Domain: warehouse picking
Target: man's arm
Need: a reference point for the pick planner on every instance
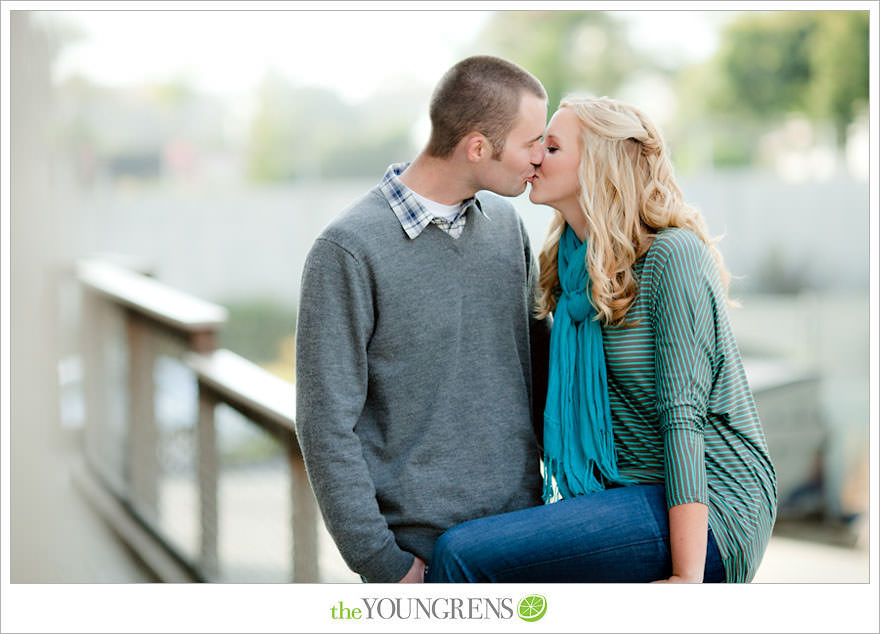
(333, 329)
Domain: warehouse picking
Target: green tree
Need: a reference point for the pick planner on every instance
(569, 51)
(272, 130)
(310, 132)
(839, 64)
(763, 62)
(813, 62)
(292, 128)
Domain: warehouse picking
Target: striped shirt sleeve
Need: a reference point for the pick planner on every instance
(684, 325)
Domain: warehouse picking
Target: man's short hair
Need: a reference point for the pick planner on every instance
(480, 93)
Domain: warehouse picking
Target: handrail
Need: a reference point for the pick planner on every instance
(176, 310)
(270, 402)
(151, 310)
(247, 386)
(223, 377)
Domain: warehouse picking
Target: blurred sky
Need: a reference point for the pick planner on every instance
(351, 52)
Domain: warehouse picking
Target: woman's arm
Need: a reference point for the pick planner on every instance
(688, 530)
(685, 297)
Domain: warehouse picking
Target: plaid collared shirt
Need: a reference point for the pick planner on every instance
(412, 214)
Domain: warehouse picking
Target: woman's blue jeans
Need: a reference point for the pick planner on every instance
(616, 535)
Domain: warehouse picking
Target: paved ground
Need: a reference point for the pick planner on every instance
(790, 560)
(61, 540)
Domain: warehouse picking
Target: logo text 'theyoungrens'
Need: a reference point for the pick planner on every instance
(440, 608)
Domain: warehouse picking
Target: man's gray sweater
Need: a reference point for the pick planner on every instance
(413, 379)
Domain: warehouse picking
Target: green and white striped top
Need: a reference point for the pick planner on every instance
(682, 409)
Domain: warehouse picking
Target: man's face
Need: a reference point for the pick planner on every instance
(509, 174)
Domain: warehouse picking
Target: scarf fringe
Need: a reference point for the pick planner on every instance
(554, 490)
(551, 488)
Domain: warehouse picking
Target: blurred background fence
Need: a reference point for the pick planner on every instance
(138, 164)
(194, 447)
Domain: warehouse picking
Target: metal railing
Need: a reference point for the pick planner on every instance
(186, 436)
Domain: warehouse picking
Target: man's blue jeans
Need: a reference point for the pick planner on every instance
(616, 535)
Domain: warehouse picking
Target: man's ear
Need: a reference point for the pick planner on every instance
(477, 147)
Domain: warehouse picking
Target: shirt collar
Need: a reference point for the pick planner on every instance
(412, 214)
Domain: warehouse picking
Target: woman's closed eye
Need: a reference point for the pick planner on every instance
(551, 149)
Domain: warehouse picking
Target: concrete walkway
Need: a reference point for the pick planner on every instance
(790, 560)
(59, 538)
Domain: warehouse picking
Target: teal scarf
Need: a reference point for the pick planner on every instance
(578, 441)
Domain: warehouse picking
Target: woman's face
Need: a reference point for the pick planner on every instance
(556, 180)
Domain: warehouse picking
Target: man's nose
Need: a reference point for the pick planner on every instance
(537, 156)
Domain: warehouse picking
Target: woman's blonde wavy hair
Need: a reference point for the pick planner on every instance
(627, 193)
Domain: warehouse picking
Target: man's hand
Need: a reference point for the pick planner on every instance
(416, 572)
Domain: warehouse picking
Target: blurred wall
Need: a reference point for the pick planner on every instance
(36, 251)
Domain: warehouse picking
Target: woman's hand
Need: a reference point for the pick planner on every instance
(677, 579)
(688, 534)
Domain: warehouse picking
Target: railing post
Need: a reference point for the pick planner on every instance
(208, 480)
(94, 372)
(305, 519)
(203, 341)
(143, 443)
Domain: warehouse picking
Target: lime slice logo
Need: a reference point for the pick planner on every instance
(532, 608)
